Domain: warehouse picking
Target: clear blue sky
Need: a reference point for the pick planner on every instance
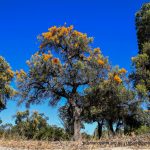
(110, 22)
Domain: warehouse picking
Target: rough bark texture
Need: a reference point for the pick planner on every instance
(77, 124)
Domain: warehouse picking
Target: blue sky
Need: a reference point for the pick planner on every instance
(110, 22)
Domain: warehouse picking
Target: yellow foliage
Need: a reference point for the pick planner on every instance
(54, 34)
(76, 45)
(89, 58)
(99, 55)
(97, 50)
(46, 57)
(47, 35)
(54, 28)
(20, 74)
(122, 71)
(117, 79)
(100, 62)
(10, 72)
(4, 78)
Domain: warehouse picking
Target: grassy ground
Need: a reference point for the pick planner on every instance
(117, 143)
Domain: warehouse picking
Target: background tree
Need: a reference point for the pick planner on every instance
(6, 76)
(106, 101)
(29, 125)
(141, 74)
(136, 119)
(5, 130)
(143, 26)
(113, 104)
(65, 64)
(32, 126)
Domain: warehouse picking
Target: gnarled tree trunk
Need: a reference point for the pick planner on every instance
(77, 123)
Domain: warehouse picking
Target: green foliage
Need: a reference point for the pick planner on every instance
(6, 76)
(142, 130)
(114, 104)
(6, 130)
(136, 119)
(28, 125)
(141, 75)
(32, 126)
(143, 25)
(54, 78)
(66, 115)
(52, 133)
(65, 63)
(107, 96)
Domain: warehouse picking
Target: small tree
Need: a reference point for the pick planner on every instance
(6, 76)
(65, 64)
(29, 125)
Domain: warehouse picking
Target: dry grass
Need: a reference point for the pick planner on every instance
(117, 143)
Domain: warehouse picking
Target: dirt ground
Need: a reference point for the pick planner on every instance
(39, 145)
(114, 148)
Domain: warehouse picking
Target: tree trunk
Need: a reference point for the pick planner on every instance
(77, 123)
(110, 123)
(118, 126)
(100, 125)
(70, 125)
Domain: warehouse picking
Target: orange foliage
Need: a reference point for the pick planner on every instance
(10, 72)
(55, 61)
(122, 71)
(117, 79)
(46, 57)
(100, 62)
(54, 34)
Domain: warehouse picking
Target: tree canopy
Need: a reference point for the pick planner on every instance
(6, 76)
(67, 67)
(141, 74)
(65, 63)
(143, 25)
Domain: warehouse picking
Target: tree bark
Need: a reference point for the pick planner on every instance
(100, 125)
(77, 123)
(118, 126)
(70, 125)
(110, 123)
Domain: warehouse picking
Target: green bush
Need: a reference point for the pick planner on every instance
(51, 133)
(142, 130)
